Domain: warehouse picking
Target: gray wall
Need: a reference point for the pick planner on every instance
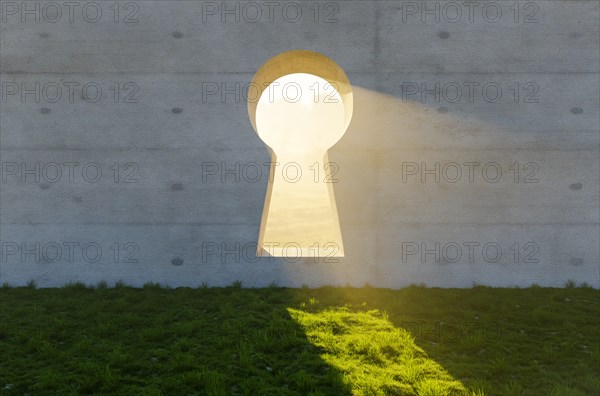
(154, 215)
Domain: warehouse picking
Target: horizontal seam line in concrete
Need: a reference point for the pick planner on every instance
(349, 1)
(349, 224)
(261, 149)
(382, 73)
(150, 73)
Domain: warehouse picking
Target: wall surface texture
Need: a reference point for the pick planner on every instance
(472, 156)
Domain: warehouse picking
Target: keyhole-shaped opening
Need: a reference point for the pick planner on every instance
(302, 107)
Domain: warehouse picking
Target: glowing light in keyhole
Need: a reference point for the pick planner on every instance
(300, 116)
(304, 107)
(300, 113)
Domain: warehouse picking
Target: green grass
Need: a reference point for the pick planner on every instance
(275, 341)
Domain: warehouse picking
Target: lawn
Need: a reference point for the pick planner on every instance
(279, 341)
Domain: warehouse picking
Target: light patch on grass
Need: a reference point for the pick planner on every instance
(236, 341)
(375, 357)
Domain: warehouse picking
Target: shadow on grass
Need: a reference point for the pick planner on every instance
(153, 341)
(274, 341)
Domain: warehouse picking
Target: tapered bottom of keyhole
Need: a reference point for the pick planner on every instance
(300, 219)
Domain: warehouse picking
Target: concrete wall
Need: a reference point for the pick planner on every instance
(154, 215)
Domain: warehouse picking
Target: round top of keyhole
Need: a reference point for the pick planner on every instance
(300, 113)
(302, 102)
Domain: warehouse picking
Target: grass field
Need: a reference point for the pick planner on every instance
(276, 341)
